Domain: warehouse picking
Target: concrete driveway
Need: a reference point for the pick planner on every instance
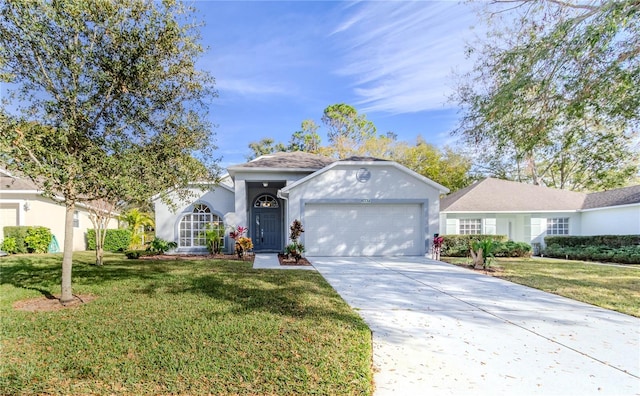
(440, 329)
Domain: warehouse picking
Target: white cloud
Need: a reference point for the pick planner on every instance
(402, 54)
(249, 87)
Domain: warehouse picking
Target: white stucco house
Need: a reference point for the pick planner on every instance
(352, 207)
(527, 213)
(22, 204)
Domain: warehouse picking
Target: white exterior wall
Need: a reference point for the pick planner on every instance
(46, 213)
(525, 227)
(620, 220)
(386, 184)
(219, 199)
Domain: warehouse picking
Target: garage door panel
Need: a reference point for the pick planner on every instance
(363, 229)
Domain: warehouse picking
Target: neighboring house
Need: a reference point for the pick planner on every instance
(528, 213)
(352, 207)
(22, 204)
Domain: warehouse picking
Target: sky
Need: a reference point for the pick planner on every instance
(277, 63)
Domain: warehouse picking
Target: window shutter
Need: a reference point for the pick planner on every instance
(452, 226)
(538, 229)
(489, 226)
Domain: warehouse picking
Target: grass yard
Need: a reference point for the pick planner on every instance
(179, 327)
(607, 286)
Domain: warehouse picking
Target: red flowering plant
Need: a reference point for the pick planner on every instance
(437, 245)
(243, 243)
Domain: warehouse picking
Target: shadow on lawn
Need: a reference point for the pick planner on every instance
(42, 273)
(299, 294)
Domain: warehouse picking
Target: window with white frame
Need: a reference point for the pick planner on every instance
(558, 226)
(193, 226)
(76, 219)
(470, 226)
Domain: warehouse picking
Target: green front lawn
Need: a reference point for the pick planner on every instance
(608, 286)
(179, 327)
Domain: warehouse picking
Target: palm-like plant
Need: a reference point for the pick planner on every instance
(136, 221)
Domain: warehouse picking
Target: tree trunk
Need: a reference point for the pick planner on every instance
(99, 255)
(478, 261)
(67, 257)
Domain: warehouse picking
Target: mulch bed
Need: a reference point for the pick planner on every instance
(284, 260)
(49, 303)
(232, 257)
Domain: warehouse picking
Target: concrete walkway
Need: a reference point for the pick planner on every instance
(270, 261)
(439, 329)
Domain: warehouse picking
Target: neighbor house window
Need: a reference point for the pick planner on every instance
(76, 219)
(558, 226)
(470, 226)
(193, 226)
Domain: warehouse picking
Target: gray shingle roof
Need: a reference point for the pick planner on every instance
(495, 195)
(619, 196)
(294, 160)
(12, 183)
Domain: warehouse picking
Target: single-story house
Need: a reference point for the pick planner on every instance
(527, 213)
(22, 204)
(351, 207)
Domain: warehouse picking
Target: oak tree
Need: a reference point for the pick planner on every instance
(107, 102)
(556, 92)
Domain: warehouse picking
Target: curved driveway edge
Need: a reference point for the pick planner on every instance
(441, 329)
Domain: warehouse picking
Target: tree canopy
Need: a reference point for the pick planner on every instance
(109, 104)
(554, 95)
(351, 134)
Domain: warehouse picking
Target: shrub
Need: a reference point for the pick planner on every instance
(28, 239)
(116, 240)
(136, 254)
(612, 241)
(9, 245)
(459, 245)
(38, 239)
(160, 246)
(512, 249)
(18, 233)
(623, 255)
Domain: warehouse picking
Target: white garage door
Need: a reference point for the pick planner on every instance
(363, 229)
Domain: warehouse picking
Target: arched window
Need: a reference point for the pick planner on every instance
(193, 225)
(266, 201)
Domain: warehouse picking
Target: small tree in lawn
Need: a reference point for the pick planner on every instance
(295, 248)
(101, 213)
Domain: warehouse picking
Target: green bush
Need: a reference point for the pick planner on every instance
(623, 254)
(160, 246)
(612, 241)
(512, 249)
(116, 240)
(38, 239)
(28, 239)
(9, 245)
(136, 254)
(458, 245)
(18, 233)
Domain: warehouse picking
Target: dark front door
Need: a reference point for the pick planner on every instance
(267, 230)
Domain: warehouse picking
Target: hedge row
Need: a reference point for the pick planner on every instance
(623, 255)
(458, 246)
(26, 239)
(116, 240)
(611, 241)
